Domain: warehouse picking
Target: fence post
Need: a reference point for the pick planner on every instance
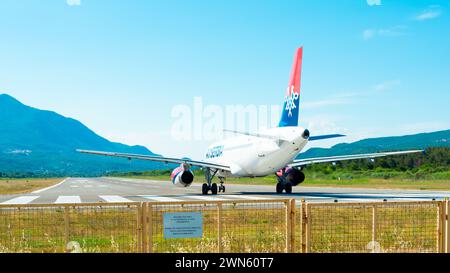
(293, 222)
(308, 228)
(150, 227)
(66, 226)
(139, 227)
(287, 205)
(144, 228)
(441, 225)
(374, 223)
(447, 226)
(305, 227)
(219, 227)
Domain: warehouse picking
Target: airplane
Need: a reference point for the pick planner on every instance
(268, 151)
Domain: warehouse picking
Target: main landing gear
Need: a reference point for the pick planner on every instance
(286, 186)
(209, 186)
(287, 180)
(283, 184)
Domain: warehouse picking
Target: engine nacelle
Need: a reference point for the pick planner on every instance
(182, 176)
(293, 176)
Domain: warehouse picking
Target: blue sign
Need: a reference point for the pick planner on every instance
(183, 225)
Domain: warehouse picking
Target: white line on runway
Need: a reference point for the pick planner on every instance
(127, 180)
(74, 186)
(63, 199)
(88, 186)
(206, 198)
(51, 187)
(20, 200)
(159, 198)
(244, 197)
(114, 199)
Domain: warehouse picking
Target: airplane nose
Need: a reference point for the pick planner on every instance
(305, 134)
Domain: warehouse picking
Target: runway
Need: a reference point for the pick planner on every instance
(84, 190)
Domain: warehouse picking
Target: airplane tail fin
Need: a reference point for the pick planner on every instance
(289, 116)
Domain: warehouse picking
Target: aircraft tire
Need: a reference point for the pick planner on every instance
(214, 188)
(288, 187)
(205, 189)
(302, 177)
(280, 188)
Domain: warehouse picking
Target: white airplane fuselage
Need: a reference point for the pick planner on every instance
(252, 156)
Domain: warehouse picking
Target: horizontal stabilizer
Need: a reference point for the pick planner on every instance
(312, 138)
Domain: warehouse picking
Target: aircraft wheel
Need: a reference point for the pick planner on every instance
(223, 188)
(288, 187)
(214, 188)
(205, 189)
(279, 188)
(302, 177)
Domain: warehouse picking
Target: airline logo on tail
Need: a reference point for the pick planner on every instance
(290, 100)
(289, 116)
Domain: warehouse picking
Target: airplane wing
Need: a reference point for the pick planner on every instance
(309, 161)
(166, 160)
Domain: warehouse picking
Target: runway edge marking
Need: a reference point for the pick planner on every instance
(20, 200)
(247, 197)
(205, 198)
(114, 199)
(159, 198)
(63, 199)
(51, 187)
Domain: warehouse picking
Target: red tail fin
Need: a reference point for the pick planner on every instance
(296, 71)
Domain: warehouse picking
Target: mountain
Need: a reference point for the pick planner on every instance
(41, 142)
(35, 142)
(372, 145)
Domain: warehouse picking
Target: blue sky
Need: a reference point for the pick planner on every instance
(370, 67)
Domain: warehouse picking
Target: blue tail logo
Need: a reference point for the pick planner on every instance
(291, 105)
(291, 101)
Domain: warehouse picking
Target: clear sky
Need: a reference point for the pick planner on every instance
(370, 67)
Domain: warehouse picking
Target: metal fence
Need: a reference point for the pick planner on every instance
(279, 225)
(105, 227)
(228, 226)
(373, 227)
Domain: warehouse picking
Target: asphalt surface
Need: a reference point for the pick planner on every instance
(82, 190)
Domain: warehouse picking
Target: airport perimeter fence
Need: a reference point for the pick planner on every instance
(251, 226)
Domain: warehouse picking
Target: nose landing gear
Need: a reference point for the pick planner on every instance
(221, 187)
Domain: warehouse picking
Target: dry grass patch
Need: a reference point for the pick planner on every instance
(25, 185)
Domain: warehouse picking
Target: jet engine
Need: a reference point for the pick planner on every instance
(182, 176)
